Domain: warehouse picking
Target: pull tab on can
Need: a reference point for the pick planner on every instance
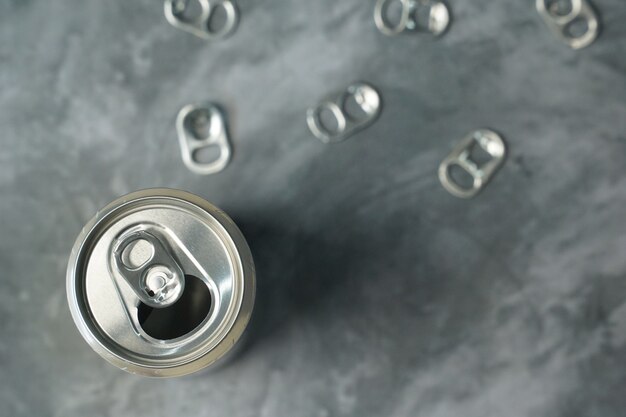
(562, 21)
(491, 143)
(176, 13)
(158, 280)
(416, 16)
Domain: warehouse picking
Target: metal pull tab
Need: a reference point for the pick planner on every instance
(562, 17)
(176, 14)
(192, 120)
(416, 16)
(368, 106)
(144, 262)
(491, 143)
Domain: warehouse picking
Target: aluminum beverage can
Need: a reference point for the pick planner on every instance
(161, 283)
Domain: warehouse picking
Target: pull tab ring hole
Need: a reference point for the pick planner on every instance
(393, 14)
(207, 154)
(460, 177)
(331, 120)
(577, 28)
(137, 253)
(221, 17)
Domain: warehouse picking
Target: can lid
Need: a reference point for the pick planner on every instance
(161, 283)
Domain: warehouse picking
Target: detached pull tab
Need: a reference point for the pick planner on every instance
(367, 105)
(416, 16)
(202, 127)
(176, 13)
(491, 143)
(144, 262)
(563, 21)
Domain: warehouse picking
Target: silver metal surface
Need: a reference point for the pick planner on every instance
(490, 142)
(415, 16)
(159, 280)
(563, 18)
(202, 127)
(195, 240)
(201, 25)
(367, 101)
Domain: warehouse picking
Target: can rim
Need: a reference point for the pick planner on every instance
(246, 265)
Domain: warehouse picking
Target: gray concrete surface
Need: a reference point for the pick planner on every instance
(379, 293)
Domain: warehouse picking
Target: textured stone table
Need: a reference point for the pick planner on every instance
(380, 294)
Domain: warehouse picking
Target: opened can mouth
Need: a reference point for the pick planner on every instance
(161, 283)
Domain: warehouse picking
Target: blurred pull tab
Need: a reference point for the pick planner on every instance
(490, 142)
(202, 128)
(573, 21)
(347, 121)
(179, 14)
(430, 16)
